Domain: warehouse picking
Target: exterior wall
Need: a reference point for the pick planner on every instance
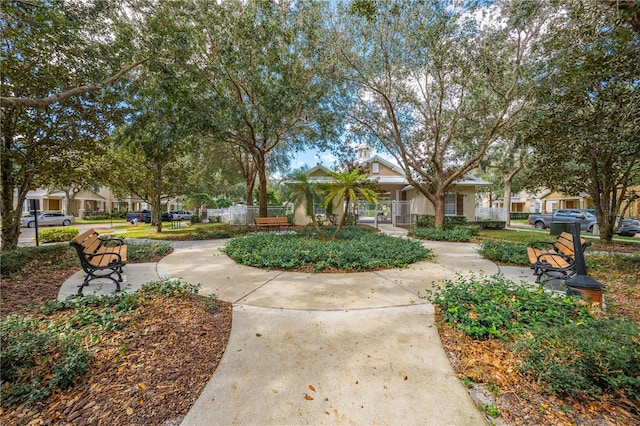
(300, 214)
(421, 205)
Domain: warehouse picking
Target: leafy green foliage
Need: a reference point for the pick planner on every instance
(505, 252)
(35, 360)
(429, 221)
(57, 235)
(364, 252)
(60, 255)
(562, 343)
(39, 356)
(494, 307)
(211, 233)
(490, 224)
(452, 234)
(600, 355)
(148, 250)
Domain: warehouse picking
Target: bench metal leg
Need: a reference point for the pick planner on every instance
(91, 276)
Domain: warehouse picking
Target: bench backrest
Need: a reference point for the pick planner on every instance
(564, 244)
(88, 240)
(271, 220)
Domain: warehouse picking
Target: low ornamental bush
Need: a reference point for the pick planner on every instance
(12, 262)
(561, 342)
(428, 221)
(505, 252)
(58, 235)
(490, 224)
(137, 252)
(211, 233)
(366, 252)
(36, 360)
(598, 356)
(40, 356)
(454, 234)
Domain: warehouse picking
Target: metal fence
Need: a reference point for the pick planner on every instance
(245, 215)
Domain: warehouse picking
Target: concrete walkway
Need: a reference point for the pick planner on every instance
(356, 348)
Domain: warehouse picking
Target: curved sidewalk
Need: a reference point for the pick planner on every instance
(329, 348)
(358, 348)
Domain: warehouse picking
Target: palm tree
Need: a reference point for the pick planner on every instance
(302, 190)
(346, 187)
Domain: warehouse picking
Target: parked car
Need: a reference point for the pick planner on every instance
(181, 215)
(145, 216)
(629, 228)
(586, 218)
(48, 219)
(141, 216)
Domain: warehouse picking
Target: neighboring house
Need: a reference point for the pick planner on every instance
(549, 201)
(85, 202)
(399, 202)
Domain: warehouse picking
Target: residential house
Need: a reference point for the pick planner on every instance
(399, 202)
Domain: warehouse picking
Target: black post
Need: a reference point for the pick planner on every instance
(34, 206)
(581, 283)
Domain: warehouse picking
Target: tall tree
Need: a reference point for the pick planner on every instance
(586, 134)
(259, 69)
(59, 64)
(437, 86)
(345, 188)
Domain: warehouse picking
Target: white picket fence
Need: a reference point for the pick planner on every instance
(491, 213)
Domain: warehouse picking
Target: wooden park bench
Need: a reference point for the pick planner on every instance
(100, 257)
(271, 222)
(556, 261)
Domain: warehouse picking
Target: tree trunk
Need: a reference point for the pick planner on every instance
(343, 218)
(10, 214)
(262, 183)
(438, 207)
(508, 180)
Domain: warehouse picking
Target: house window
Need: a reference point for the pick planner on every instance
(375, 168)
(450, 204)
(318, 208)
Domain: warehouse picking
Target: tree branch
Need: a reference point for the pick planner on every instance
(21, 102)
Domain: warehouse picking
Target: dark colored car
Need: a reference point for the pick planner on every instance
(629, 228)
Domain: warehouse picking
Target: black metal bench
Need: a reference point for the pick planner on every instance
(556, 261)
(100, 257)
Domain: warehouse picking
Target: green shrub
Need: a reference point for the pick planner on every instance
(453, 234)
(561, 343)
(494, 307)
(519, 215)
(428, 221)
(35, 360)
(137, 252)
(58, 235)
(212, 233)
(490, 224)
(598, 356)
(289, 251)
(197, 219)
(57, 255)
(505, 252)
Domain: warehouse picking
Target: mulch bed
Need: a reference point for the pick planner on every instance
(150, 374)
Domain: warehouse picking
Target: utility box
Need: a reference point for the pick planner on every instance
(557, 228)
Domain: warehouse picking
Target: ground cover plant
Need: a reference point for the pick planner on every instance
(113, 357)
(458, 233)
(355, 249)
(568, 360)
